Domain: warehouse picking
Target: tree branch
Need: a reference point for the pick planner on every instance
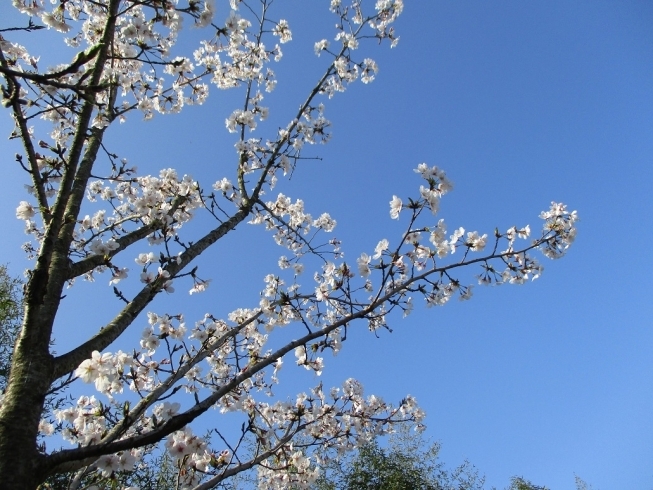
(69, 361)
(14, 91)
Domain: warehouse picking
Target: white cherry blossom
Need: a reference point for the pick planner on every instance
(180, 367)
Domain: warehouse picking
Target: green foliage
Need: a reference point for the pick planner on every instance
(408, 463)
(581, 484)
(378, 470)
(158, 474)
(519, 483)
(157, 471)
(11, 302)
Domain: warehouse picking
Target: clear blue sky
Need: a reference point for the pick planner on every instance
(521, 103)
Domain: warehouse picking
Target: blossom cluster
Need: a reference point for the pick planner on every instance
(236, 56)
(341, 419)
(363, 419)
(231, 364)
(223, 360)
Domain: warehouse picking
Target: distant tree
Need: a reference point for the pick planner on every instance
(155, 472)
(377, 469)
(11, 300)
(520, 483)
(581, 484)
(409, 462)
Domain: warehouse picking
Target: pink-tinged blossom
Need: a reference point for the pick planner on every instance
(284, 263)
(348, 40)
(149, 340)
(166, 410)
(321, 46)
(148, 277)
(432, 198)
(145, 259)
(199, 286)
(475, 242)
(561, 222)
(326, 222)
(90, 369)
(108, 464)
(282, 30)
(28, 7)
(46, 428)
(322, 292)
(206, 16)
(395, 207)
(25, 211)
(55, 21)
(437, 238)
(381, 247)
(223, 185)
(98, 247)
(118, 275)
(370, 69)
(466, 293)
(364, 264)
(300, 354)
(453, 240)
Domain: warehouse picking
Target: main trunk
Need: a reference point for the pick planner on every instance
(21, 413)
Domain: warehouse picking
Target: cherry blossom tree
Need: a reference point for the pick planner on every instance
(89, 212)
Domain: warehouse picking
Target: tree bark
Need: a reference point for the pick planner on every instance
(21, 413)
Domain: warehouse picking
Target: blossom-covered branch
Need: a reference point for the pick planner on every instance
(82, 225)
